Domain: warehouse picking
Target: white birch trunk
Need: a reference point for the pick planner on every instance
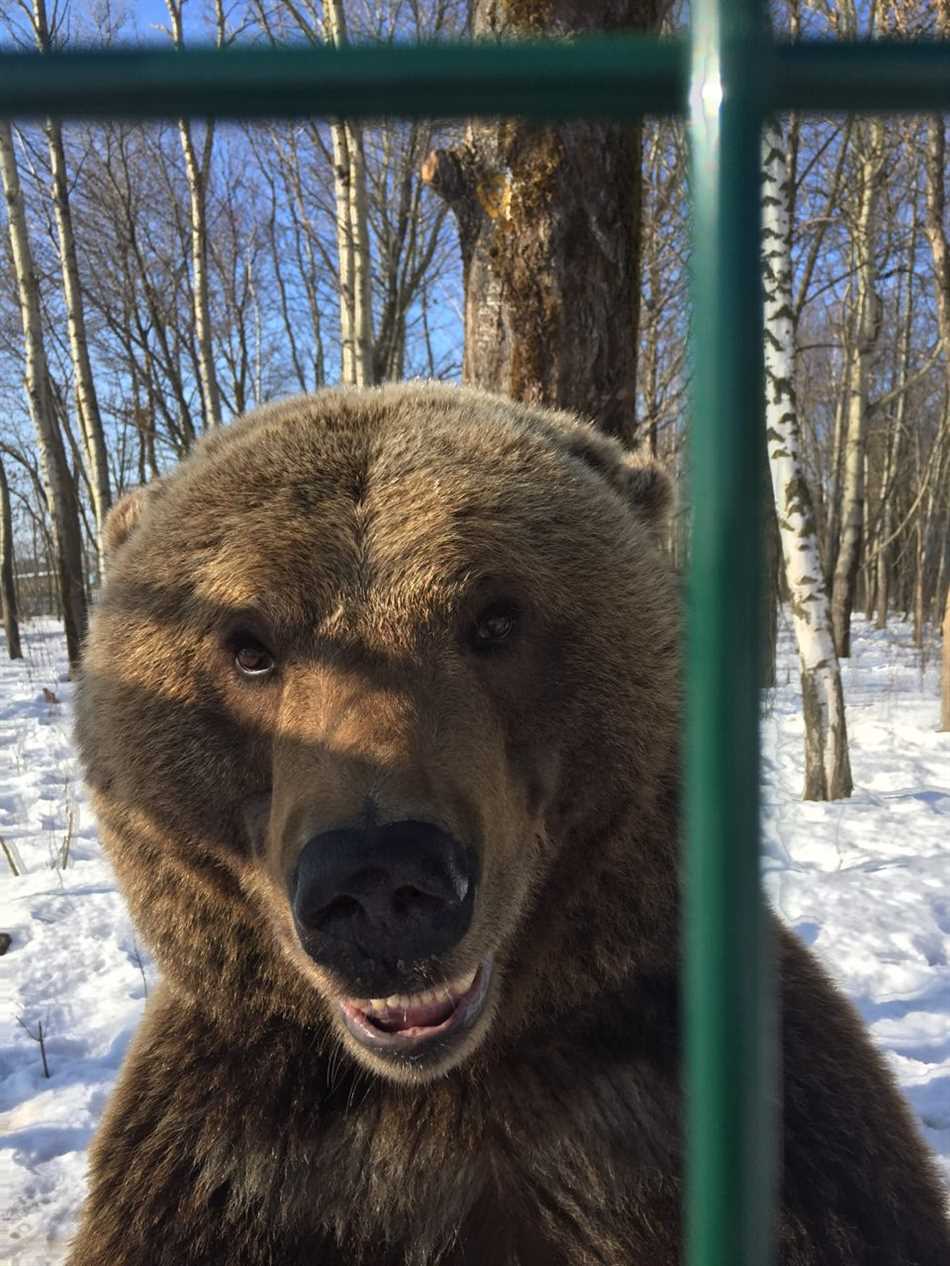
(60, 491)
(827, 765)
(869, 311)
(197, 172)
(94, 442)
(344, 250)
(937, 236)
(97, 458)
(892, 461)
(352, 232)
(11, 622)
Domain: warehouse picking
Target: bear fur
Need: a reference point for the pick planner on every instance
(358, 535)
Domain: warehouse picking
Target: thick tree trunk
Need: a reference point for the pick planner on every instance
(549, 226)
(11, 622)
(868, 324)
(60, 489)
(827, 765)
(945, 694)
(97, 458)
(352, 234)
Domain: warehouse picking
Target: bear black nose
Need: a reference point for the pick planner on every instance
(371, 905)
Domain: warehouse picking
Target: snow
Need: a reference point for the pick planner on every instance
(865, 882)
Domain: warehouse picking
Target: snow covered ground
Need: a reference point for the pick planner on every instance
(865, 882)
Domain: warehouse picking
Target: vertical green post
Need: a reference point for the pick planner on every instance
(729, 1033)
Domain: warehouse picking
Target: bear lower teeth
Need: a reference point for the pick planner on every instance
(397, 1019)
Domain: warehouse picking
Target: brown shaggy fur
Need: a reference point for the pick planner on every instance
(359, 532)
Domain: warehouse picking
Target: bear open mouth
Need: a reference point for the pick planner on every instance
(404, 1023)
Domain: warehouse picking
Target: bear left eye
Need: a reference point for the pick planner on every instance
(253, 660)
(494, 626)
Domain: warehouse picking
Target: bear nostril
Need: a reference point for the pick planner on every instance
(340, 910)
(408, 901)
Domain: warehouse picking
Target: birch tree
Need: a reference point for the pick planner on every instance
(936, 230)
(59, 488)
(198, 172)
(867, 327)
(11, 624)
(87, 402)
(349, 175)
(827, 763)
(895, 440)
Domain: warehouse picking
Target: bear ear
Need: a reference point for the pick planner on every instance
(126, 514)
(649, 489)
(643, 484)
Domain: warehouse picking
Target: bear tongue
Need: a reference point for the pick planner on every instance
(421, 1015)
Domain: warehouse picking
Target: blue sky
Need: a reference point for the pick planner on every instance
(145, 15)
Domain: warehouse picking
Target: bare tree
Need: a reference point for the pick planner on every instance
(349, 170)
(60, 489)
(827, 764)
(97, 462)
(936, 230)
(8, 599)
(198, 172)
(867, 326)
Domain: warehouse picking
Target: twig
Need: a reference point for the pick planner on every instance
(37, 1037)
(9, 856)
(138, 958)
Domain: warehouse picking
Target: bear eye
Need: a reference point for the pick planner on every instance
(494, 626)
(251, 659)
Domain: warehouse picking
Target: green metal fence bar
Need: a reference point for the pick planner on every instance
(729, 1040)
(868, 76)
(621, 77)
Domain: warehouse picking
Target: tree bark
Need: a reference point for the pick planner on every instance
(549, 227)
(11, 622)
(60, 489)
(868, 325)
(827, 764)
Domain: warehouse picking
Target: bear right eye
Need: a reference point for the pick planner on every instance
(252, 659)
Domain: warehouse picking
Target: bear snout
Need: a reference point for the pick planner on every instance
(377, 906)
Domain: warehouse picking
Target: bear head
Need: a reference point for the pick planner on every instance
(379, 711)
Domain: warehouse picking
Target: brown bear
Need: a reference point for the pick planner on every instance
(380, 709)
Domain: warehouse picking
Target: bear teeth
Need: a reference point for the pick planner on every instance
(405, 1001)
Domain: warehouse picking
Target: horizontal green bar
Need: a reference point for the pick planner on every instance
(617, 77)
(622, 77)
(877, 76)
